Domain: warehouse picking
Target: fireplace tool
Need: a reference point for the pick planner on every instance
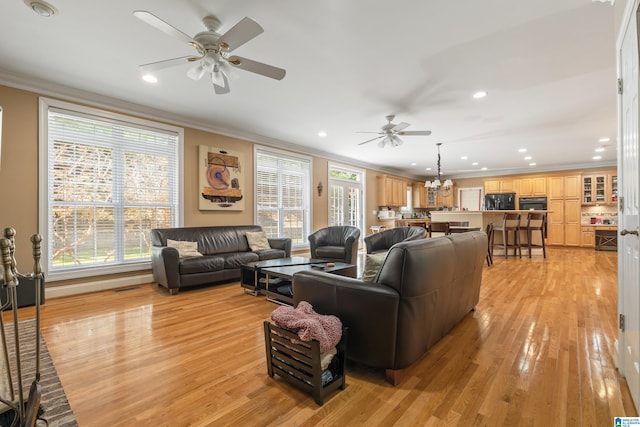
(26, 413)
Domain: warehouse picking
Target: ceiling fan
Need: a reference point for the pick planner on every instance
(388, 134)
(213, 50)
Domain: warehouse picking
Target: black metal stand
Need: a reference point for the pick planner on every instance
(26, 412)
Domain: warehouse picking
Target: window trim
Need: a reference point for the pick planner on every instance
(290, 154)
(43, 198)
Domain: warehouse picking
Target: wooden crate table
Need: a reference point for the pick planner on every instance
(298, 362)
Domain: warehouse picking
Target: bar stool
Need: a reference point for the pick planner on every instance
(510, 226)
(535, 222)
(439, 227)
(489, 243)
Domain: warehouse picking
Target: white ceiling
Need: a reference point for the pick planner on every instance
(548, 66)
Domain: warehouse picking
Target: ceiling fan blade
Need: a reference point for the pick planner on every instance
(400, 126)
(160, 65)
(415, 132)
(219, 80)
(372, 139)
(159, 24)
(257, 67)
(239, 34)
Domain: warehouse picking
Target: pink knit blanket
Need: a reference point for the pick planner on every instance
(309, 325)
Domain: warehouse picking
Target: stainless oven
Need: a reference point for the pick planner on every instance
(535, 204)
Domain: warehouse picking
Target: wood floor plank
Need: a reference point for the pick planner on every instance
(539, 349)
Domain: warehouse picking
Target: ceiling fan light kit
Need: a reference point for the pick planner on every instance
(213, 50)
(388, 133)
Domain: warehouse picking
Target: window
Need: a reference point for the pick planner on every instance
(346, 196)
(105, 181)
(282, 183)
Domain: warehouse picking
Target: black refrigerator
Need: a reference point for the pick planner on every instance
(500, 202)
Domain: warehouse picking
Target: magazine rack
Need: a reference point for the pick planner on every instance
(25, 411)
(298, 362)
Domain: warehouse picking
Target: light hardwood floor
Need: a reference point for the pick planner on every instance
(538, 350)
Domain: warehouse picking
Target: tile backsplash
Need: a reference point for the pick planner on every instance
(602, 215)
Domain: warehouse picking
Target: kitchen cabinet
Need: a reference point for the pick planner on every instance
(391, 191)
(613, 189)
(492, 186)
(572, 189)
(588, 237)
(504, 185)
(445, 199)
(564, 201)
(572, 227)
(533, 187)
(594, 189)
(556, 187)
(555, 222)
(419, 194)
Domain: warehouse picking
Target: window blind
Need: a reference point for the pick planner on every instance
(282, 195)
(109, 183)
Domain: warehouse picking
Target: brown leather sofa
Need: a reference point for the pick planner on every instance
(423, 289)
(224, 249)
(383, 240)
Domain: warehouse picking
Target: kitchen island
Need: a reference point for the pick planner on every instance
(482, 218)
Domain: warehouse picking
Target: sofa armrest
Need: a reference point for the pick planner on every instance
(281, 243)
(165, 266)
(375, 242)
(370, 311)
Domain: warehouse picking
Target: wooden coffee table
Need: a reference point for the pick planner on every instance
(279, 279)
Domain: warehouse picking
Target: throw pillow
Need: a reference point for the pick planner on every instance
(185, 249)
(372, 264)
(257, 240)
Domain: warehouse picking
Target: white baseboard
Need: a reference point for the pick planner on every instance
(98, 285)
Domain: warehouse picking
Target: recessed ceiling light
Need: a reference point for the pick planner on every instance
(322, 134)
(150, 78)
(528, 158)
(480, 94)
(600, 150)
(427, 169)
(484, 169)
(464, 158)
(42, 8)
(522, 150)
(413, 164)
(604, 139)
(474, 164)
(532, 164)
(597, 157)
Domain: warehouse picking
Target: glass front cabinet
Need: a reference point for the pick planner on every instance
(599, 189)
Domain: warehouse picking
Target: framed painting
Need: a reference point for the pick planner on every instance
(221, 179)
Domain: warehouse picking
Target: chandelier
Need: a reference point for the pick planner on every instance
(436, 185)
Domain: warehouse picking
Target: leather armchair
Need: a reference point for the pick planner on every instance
(337, 243)
(423, 290)
(383, 240)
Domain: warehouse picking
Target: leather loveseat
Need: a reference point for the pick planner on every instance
(224, 249)
(383, 240)
(422, 290)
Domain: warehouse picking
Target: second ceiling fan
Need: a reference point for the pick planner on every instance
(213, 50)
(390, 132)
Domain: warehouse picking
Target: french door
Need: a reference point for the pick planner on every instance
(628, 211)
(346, 196)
